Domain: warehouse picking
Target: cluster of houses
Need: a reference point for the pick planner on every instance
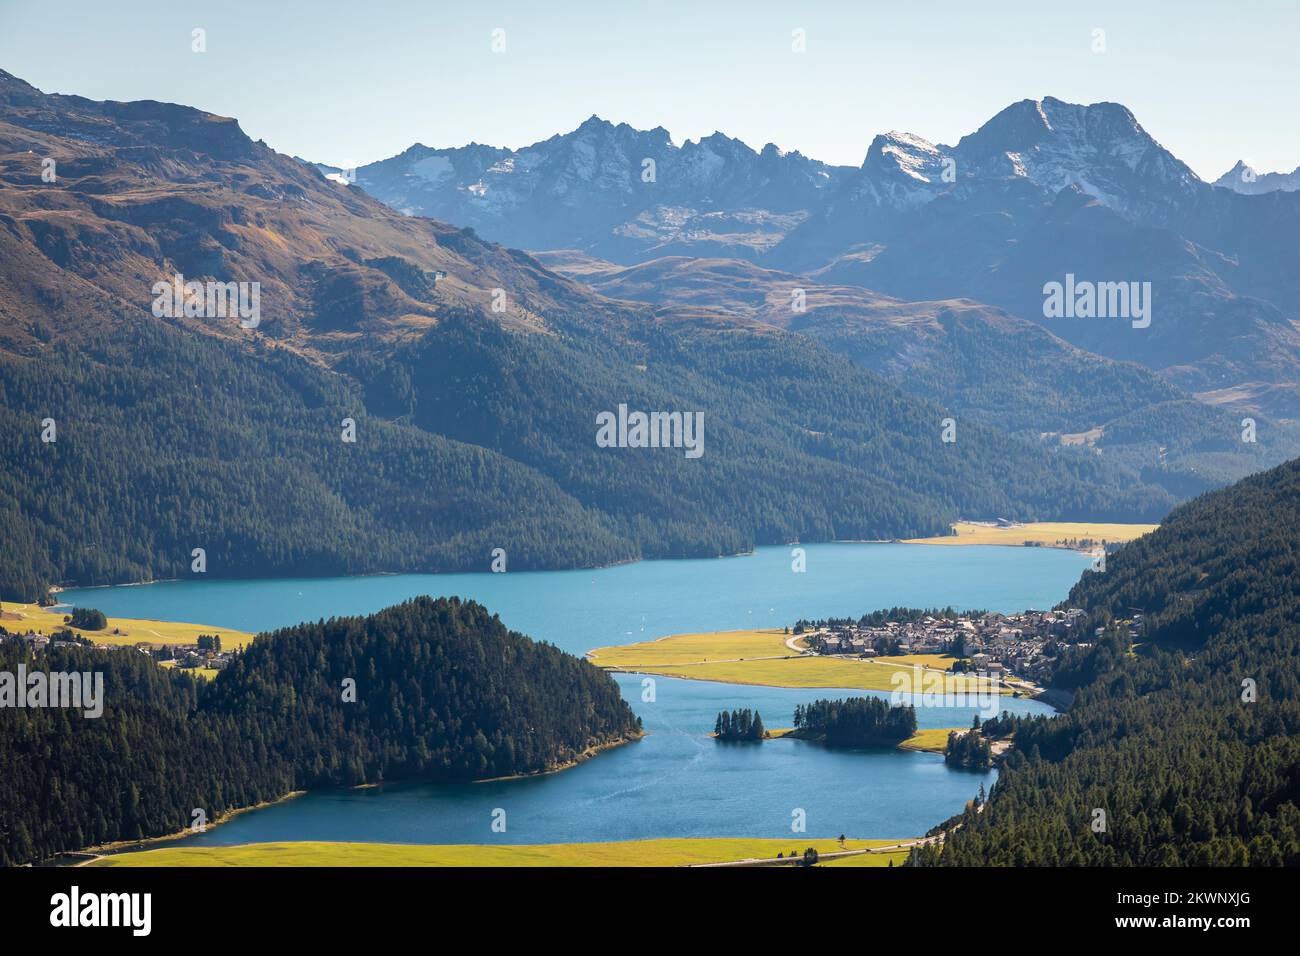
(41, 641)
(188, 655)
(994, 643)
(206, 654)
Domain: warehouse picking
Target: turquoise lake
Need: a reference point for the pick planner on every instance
(677, 781)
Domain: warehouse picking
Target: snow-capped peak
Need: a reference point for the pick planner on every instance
(1099, 148)
(906, 153)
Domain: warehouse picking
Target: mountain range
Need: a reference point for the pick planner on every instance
(469, 375)
(1043, 190)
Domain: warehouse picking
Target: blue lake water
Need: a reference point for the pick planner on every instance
(677, 781)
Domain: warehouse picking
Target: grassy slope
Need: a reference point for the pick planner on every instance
(133, 630)
(666, 852)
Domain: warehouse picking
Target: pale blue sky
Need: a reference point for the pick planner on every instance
(349, 83)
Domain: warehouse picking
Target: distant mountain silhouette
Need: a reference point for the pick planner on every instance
(1244, 179)
(1043, 189)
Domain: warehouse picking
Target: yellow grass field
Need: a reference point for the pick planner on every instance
(762, 657)
(934, 739)
(693, 648)
(1046, 533)
(942, 662)
(132, 631)
(667, 852)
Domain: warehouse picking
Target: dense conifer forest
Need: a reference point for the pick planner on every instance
(170, 442)
(476, 438)
(1182, 746)
(443, 692)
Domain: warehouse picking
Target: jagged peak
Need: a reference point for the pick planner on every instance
(719, 142)
(593, 123)
(905, 139)
(773, 151)
(897, 151)
(1029, 119)
(1102, 106)
(1018, 126)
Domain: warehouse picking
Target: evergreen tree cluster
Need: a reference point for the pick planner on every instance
(739, 725)
(440, 691)
(856, 722)
(87, 619)
(1003, 725)
(969, 749)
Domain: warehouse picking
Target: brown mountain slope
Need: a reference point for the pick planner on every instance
(149, 190)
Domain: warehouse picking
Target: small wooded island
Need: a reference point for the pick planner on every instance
(856, 722)
(739, 725)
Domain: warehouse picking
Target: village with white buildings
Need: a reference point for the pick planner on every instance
(1022, 644)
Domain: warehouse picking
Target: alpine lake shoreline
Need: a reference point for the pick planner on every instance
(790, 669)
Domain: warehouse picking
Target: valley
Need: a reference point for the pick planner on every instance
(621, 794)
(415, 399)
(635, 493)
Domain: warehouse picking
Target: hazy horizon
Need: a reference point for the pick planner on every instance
(321, 82)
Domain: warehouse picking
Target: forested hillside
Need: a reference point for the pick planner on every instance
(475, 425)
(484, 438)
(1187, 740)
(169, 442)
(443, 692)
(980, 363)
